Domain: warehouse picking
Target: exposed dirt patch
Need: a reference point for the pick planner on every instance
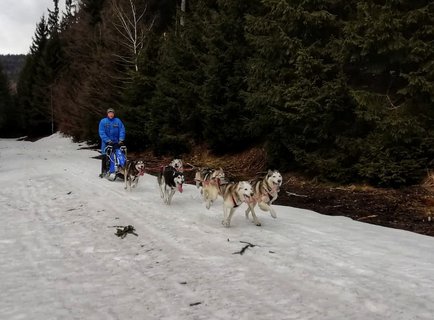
(408, 208)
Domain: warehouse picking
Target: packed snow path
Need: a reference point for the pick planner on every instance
(60, 258)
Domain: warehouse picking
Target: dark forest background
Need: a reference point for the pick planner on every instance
(341, 90)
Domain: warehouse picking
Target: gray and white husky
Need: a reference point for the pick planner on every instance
(265, 193)
(132, 172)
(234, 194)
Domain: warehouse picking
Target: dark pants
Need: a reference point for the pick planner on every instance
(104, 164)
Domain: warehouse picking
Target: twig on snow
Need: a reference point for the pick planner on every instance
(249, 245)
(367, 217)
(122, 231)
(295, 194)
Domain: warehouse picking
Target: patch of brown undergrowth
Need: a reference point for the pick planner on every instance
(242, 165)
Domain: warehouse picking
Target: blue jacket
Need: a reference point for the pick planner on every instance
(111, 130)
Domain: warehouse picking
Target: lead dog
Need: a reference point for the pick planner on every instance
(234, 195)
(169, 180)
(265, 193)
(132, 172)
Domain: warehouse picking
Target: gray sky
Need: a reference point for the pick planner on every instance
(18, 19)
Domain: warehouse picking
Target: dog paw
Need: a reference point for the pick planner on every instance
(226, 223)
(258, 224)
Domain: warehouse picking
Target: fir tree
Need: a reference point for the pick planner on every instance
(224, 64)
(389, 59)
(173, 116)
(31, 101)
(5, 102)
(297, 87)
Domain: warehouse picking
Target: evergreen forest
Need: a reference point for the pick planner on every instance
(340, 90)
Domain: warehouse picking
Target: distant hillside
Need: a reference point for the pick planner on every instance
(12, 65)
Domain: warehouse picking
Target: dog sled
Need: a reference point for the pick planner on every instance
(116, 161)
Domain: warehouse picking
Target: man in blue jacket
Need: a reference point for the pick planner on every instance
(111, 131)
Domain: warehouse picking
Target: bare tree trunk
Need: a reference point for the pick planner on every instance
(133, 31)
(181, 21)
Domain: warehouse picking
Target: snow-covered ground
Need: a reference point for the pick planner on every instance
(60, 259)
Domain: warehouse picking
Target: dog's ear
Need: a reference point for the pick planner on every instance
(270, 172)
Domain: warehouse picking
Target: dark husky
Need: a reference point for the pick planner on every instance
(132, 172)
(266, 191)
(169, 180)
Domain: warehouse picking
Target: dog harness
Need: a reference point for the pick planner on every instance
(269, 194)
(236, 204)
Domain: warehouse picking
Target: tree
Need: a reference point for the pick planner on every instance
(173, 115)
(389, 59)
(297, 86)
(345, 88)
(5, 102)
(53, 18)
(30, 98)
(224, 62)
(69, 15)
(131, 25)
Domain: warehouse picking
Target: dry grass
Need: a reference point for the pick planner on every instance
(428, 183)
(240, 165)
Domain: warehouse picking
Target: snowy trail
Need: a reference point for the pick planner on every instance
(60, 258)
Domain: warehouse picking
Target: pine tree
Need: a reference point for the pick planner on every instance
(40, 73)
(53, 18)
(11, 117)
(138, 95)
(172, 112)
(36, 115)
(389, 54)
(225, 115)
(173, 116)
(69, 15)
(297, 87)
(5, 102)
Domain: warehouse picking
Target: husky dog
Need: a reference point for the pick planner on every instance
(266, 191)
(132, 172)
(234, 195)
(169, 180)
(212, 185)
(205, 174)
(177, 164)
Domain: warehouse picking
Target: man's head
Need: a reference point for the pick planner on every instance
(111, 113)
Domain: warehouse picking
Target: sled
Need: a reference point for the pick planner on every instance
(117, 160)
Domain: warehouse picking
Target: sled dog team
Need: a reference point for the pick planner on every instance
(212, 183)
